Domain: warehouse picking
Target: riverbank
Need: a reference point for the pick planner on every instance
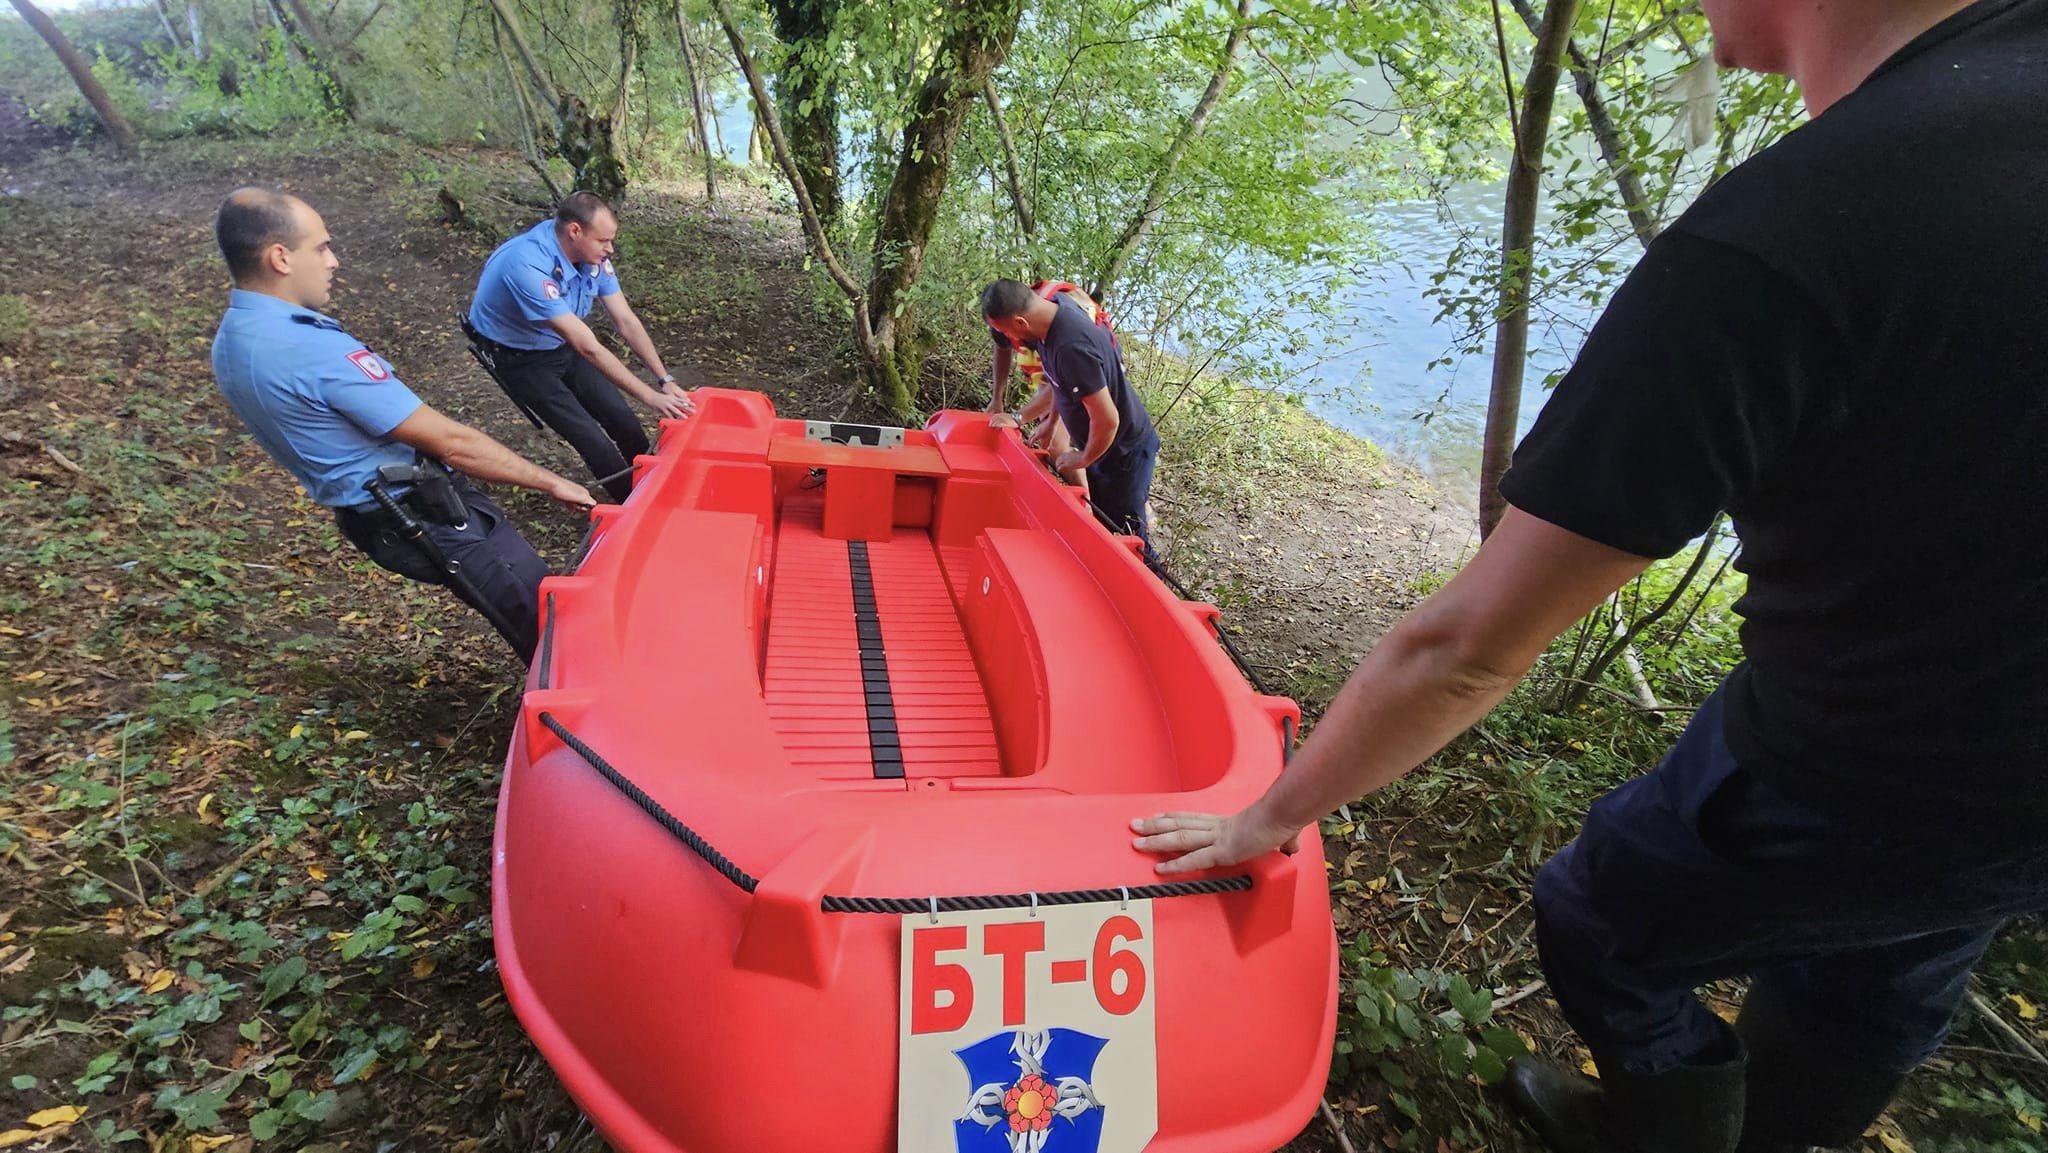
(247, 779)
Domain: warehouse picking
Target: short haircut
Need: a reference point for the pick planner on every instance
(249, 222)
(1005, 299)
(580, 208)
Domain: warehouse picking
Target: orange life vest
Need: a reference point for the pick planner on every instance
(1027, 359)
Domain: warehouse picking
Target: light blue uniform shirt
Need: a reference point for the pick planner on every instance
(527, 282)
(319, 403)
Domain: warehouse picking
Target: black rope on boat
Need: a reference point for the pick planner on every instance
(901, 905)
(747, 882)
(652, 808)
(1180, 590)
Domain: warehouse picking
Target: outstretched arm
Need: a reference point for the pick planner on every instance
(1446, 665)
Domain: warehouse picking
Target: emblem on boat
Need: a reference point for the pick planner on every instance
(1032, 1093)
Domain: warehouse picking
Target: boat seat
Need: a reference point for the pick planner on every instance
(1071, 692)
(860, 481)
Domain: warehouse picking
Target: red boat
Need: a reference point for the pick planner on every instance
(814, 832)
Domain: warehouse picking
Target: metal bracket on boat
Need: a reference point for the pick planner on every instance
(871, 435)
(1034, 904)
(935, 910)
(1127, 897)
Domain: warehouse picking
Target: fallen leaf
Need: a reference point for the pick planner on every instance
(18, 963)
(206, 816)
(160, 982)
(61, 1115)
(1894, 1142)
(316, 872)
(198, 1143)
(1589, 1069)
(297, 732)
(355, 735)
(2027, 1010)
(13, 1137)
(423, 968)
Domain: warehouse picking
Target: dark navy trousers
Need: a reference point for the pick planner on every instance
(1865, 923)
(502, 570)
(1121, 489)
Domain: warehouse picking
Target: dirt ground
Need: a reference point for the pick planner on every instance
(114, 447)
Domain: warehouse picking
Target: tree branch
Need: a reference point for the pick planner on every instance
(1627, 179)
(1155, 197)
(995, 110)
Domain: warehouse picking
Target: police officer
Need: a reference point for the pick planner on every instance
(333, 413)
(1102, 414)
(1826, 346)
(530, 303)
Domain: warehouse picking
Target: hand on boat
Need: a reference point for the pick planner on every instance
(571, 494)
(1002, 420)
(1200, 841)
(671, 402)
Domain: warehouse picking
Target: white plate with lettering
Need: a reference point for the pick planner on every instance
(1023, 1033)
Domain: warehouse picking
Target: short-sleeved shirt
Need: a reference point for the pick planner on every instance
(1844, 344)
(1080, 358)
(318, 401)
(527, 282)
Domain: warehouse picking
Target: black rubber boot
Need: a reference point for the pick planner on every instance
(1802, 1095)
(1693, 1109)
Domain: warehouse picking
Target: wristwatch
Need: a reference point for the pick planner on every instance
(665, 378)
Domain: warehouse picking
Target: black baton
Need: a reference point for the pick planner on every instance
(452, 570)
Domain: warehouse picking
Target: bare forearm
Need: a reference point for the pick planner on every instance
(614, 369)
(475, 454)
(1411, 696)
(1100, 437)
(635, 335)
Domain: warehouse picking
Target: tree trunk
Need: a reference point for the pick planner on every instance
(973, 47)
(814, 227)
(807, 99)
(629, 54)
(529, 116)
(192, 21)
(81, 74)
(309, 42)
(1162, 180)
(308, 27)
(581, 138)
(995, 111)
(1518, 234)
(695, 78)
(163, 13)
(1628, 180)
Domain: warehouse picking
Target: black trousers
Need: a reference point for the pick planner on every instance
(572, 397)
(1863, 926)
(503, 571)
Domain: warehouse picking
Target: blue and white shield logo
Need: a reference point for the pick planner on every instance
(1031, 1093)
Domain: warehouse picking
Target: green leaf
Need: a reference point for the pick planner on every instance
(407, 903)
(1473, 1005)
(251, 1031)
(23, 1081)
(1504, 1042)
(353, 1063)
(1368, 1006)
(1408, 1108)
(283, 979)
(1488, 1067)
(318, 1107)
(305, 1028)
(1407, 1022)
(1452, 1050)
(1395, 1076)
(265, 1125)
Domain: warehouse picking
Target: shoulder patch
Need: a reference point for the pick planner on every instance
(551, 290)
(605, 268)
(367, 362)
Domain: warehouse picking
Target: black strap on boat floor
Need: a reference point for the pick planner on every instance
(934, 904)
(885, 741)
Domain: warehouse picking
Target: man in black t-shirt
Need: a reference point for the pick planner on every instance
(1112, 433)
(1841, 345)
